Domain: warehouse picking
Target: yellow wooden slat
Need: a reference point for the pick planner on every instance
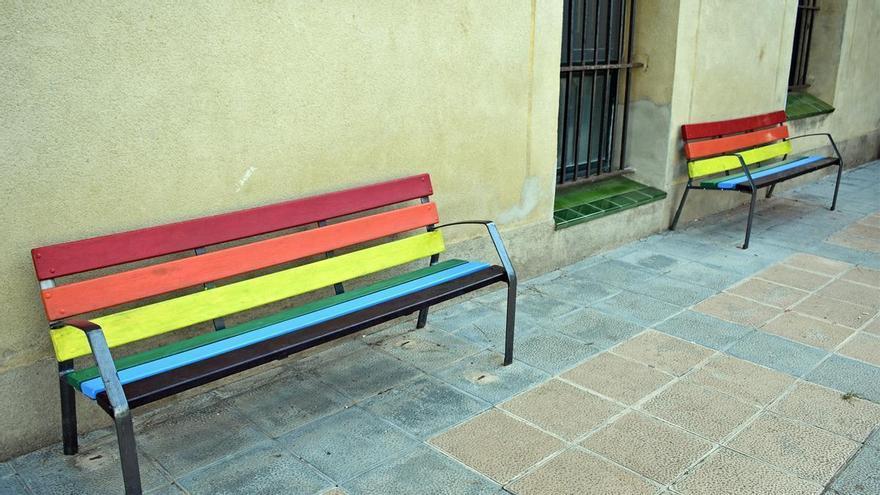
(158, 318)
(709, 166)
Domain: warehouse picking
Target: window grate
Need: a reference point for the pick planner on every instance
(800, 52)
(595, 72)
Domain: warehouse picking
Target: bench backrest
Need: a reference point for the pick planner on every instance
(155, 318)
(757, 138)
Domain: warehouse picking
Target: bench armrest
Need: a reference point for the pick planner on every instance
(745, 168)
(104, 361)
(826, 134)
(496, 241)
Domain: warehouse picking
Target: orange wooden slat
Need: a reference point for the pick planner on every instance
(709, 147)
(103, 292)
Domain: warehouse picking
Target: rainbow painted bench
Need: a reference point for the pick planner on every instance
(747, 145)
(339, 220)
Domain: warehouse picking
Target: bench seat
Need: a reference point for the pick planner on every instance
(770, 174)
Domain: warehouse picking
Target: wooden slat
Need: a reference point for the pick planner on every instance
(709, 166)
(166, 316)
(709, 147)
(722, 127)
(110, 250)
(784, 175)
(66, 300)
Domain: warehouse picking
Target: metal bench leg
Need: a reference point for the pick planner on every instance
(770, 191)
(837, 185)
(423, 318)
(680, 206)
(510, 322)
(68, 409)
(751, 214)
(131, 474)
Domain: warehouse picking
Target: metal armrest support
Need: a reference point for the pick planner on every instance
(745, 168)
(496, 241)
(826, 134)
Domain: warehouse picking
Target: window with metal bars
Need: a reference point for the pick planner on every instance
(800, 53)
(595, 74)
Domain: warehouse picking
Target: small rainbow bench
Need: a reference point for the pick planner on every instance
(747, 145)
(234, 280)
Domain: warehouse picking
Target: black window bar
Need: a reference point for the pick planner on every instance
(800, 52)
(594, 36)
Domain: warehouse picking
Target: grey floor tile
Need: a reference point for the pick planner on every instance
(616, 273)
(423, 471)
(713, 278)
(6, 469)
(264, 469)
(552, 352)
(577, 289)
(596, 328)
(484, 376)
(169, 489)
(458, 316)
(861, 476)
(704, 329)
(427, 348)
(777, 353)
(424, 407)
(673, 291)
(348, 443)
(638, 308)
(848, 375)
(652, 260)
(539, 306)
(13, 485)
(366, 372)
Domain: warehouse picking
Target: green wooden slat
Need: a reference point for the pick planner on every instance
(77, 377)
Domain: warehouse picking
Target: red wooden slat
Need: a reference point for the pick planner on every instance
(98, 252)
(722, 127)
(709, 147)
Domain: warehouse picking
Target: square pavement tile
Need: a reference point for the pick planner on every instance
(793, 277)
(726, 472)
(366, 372)
(94, 470)
(830, 410)
(288, 402)
(817, 264)
(743, 380)
(777, 353)
(497, 445)
(673, 291)
(596, 328)
(617, 274)
(769, 293)
(189, 439)
(703, 329)
(852, 292)
(426, 348)
(663, 352)
(169, 489)
(863, 275)
(265, 468)
(575, 289)
(562, 409)
(873, 327)
(836, 311)
(807, 330)
(638, 308)
(863, 346)
(699, 274)
(13, 485)
(699, 409)
(648, 446)
(421, 471)
(806, 451)
(424, 406)
(484, 376)
(552, 351)
(538, 306)
(459, 316)
(618, 378)
(652, 260)
(347, 443)
(737, 310)
(860, 476)
(848, 376)
(582, 473)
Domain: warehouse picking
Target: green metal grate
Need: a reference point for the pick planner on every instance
(576, 205)
(802, 105)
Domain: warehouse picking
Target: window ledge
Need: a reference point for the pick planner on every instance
(799, 105)
(579, 204)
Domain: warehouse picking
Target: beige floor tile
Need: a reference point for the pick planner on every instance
(806, 451)
(648, 446)
(699, 409)
(825, 408)
(850, 237)
(618, 378)
(843, 290)
(863, 275)
(835, 311)
(579, 473)
(663, 352)
(729, 473)
(737, 309)
(863, 346)
(800, 279)
(818, 264)
(742, 379)
(873, 219)
(873, 327)
(497, 445)
(811, 331)
(562, 409)
(769, 293)
(863, 229)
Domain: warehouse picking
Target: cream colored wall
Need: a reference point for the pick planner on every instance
(119, 115)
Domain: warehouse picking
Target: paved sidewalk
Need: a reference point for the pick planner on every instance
(677, 364)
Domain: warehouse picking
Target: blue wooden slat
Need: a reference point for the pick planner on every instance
(94, 386)
(732, 183)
